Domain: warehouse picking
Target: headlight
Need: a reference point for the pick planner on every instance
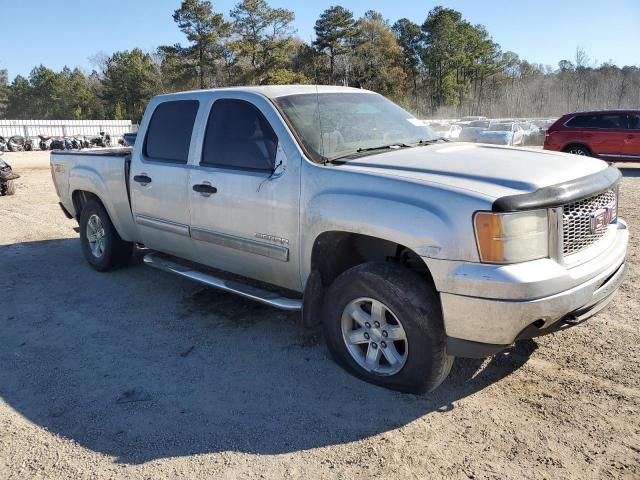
(512, 237)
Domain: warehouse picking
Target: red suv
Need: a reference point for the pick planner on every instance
(611, 135)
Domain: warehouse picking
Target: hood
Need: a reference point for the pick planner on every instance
(488, 170)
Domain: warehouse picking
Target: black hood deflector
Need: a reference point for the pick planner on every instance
(560, 194)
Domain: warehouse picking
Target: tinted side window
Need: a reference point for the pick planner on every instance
(606, 121)
(612, 121)
(583, 121)
(169, 133)
(634, 121)
(238, 136)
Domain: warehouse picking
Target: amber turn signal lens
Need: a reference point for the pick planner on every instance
(489, 234)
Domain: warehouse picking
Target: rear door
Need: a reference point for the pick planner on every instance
(245, 193)
(632, 137)
(603, 133)
(611, 133)
(159, 176)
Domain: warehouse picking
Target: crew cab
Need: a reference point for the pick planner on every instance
(612, 135)
(408, 250)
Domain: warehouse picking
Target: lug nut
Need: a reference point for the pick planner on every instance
(367, 324)
(376, 324)
(374, 345)
(366, 335)
(383, 344)
(384, 333)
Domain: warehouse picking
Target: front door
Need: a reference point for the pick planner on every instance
(245, 195)
(159, 190)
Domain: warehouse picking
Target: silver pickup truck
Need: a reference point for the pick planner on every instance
(407, 249)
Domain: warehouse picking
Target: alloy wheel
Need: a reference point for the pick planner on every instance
(96, 236)
(374, 336)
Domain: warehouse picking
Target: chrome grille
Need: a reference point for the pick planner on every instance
(577, 233)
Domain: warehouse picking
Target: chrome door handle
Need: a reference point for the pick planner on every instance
(142, 179)
(204, 189)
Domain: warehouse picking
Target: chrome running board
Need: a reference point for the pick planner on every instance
(272, 298)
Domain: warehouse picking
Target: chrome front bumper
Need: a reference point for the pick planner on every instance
(498, 304)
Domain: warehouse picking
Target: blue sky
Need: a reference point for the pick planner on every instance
(68, 32)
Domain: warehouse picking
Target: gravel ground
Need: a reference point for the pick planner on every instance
(139, 374)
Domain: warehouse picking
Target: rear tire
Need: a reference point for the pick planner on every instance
(578, 150)
(405, 349)
(101, 244)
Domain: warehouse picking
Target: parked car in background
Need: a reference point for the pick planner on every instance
(544, 124)
(470, 132)
(449, 132)
(502, 134)
(533, 134)
(408, 250)
(611, 135)
(472, 118)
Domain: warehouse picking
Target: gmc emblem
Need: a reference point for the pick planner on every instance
(602, 217)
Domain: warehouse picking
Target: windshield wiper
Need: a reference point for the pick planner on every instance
(431, 141)
(341, 159)
(333, 161)
(389, 146)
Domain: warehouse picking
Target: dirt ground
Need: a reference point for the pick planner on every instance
(139, 374)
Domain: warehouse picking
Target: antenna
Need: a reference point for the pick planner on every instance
(315, 72)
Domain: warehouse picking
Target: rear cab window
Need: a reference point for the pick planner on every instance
(169, 132)
(238, 136)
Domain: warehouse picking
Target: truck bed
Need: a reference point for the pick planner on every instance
(109, 152)
(104, 173)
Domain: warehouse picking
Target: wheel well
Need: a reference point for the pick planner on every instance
(576, 144)
(80, 198)
(336, 252)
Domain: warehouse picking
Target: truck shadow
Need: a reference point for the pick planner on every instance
(140, 365)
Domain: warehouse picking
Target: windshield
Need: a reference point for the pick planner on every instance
(333, 125)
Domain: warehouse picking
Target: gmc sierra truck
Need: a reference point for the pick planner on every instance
(407, 249)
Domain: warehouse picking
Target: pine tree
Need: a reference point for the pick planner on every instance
(335, 31)
(203, 29)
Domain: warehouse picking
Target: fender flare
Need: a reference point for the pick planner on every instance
(421, 228)
(83, 178)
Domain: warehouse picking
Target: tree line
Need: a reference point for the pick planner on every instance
(445, 67)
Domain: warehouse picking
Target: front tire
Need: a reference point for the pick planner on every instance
(383, 324)
(101, 244)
